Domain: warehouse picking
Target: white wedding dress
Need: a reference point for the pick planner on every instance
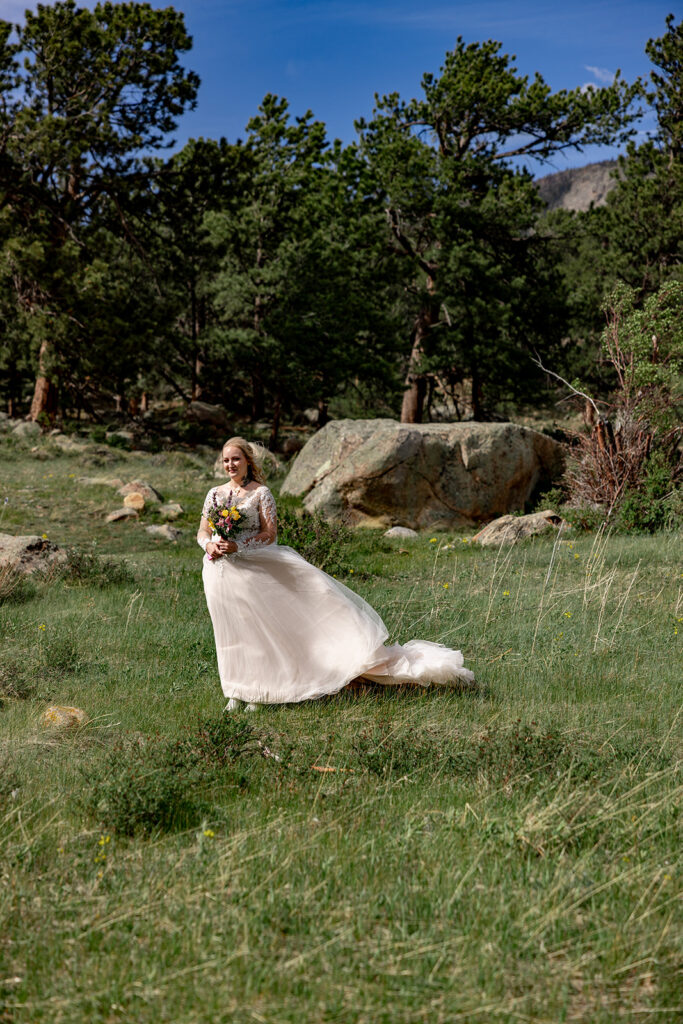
(286, 631)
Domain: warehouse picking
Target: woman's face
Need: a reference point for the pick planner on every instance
(235, 464)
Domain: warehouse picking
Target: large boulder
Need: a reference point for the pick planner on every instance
(28, 553)
(429, 475)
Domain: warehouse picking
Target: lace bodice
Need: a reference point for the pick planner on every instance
(257, 507)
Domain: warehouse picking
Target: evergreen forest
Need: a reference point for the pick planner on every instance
(413, 273)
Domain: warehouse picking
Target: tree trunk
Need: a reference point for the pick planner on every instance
(197, 363)
(44, 401)
(323, 414)
(275, 425)
(412, 406)
(477, 396)
(257, 399)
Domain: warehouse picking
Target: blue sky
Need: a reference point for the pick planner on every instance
(331, 56)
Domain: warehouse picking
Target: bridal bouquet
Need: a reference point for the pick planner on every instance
(226, 520)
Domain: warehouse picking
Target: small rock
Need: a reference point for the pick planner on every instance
(204, 412)
(510, 529)
(171, 510)
(68, 444)
(100, 481)
(166, 531)
(59, 716)
(121, 513)
(401, 531)
(134, 500)
(26, 428)
(143, 488)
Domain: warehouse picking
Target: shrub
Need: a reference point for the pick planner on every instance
(86, 568)
(318, 541)
(632, 459)
(512, 753)
(157, 785)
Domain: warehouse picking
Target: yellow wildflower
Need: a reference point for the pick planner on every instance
(506, 593)
(432, 540)
(209, 833)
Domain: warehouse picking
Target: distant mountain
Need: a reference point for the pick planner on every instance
(578, 187)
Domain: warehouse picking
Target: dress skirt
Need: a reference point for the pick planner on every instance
(285, 632)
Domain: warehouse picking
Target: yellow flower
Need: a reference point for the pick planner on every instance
(209, 833)
(568, 615)
(44, 536)
(224, 513)
(506, 593)
(41, 626)
(432, 540)
(446, 586)
(234, 514)
(576, 556)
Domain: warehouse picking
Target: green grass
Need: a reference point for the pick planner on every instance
(511, 854)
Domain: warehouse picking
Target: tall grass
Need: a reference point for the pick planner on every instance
(511, 854)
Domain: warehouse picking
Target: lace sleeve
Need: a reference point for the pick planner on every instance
(268, 522)
(268, 512)
(208, 502)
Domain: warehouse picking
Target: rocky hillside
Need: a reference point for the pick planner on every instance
(578, 187)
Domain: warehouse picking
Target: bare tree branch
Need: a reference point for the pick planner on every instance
(582, 394)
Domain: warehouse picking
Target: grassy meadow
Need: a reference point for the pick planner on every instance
(507, 854)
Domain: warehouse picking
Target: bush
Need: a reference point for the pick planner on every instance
(318, 541)
(157, 785)
(512, 753)
(85, 568)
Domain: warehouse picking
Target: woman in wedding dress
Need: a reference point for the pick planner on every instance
(284, 630)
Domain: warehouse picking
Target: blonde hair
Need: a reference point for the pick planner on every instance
(253, 453)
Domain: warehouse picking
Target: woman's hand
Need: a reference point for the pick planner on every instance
(221, 547)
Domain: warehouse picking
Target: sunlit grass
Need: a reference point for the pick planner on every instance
(508, 854)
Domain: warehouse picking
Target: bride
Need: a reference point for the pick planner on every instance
(284, 630)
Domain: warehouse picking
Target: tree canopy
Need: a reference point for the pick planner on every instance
(286, 270)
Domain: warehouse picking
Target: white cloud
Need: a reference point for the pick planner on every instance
(602, 74)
